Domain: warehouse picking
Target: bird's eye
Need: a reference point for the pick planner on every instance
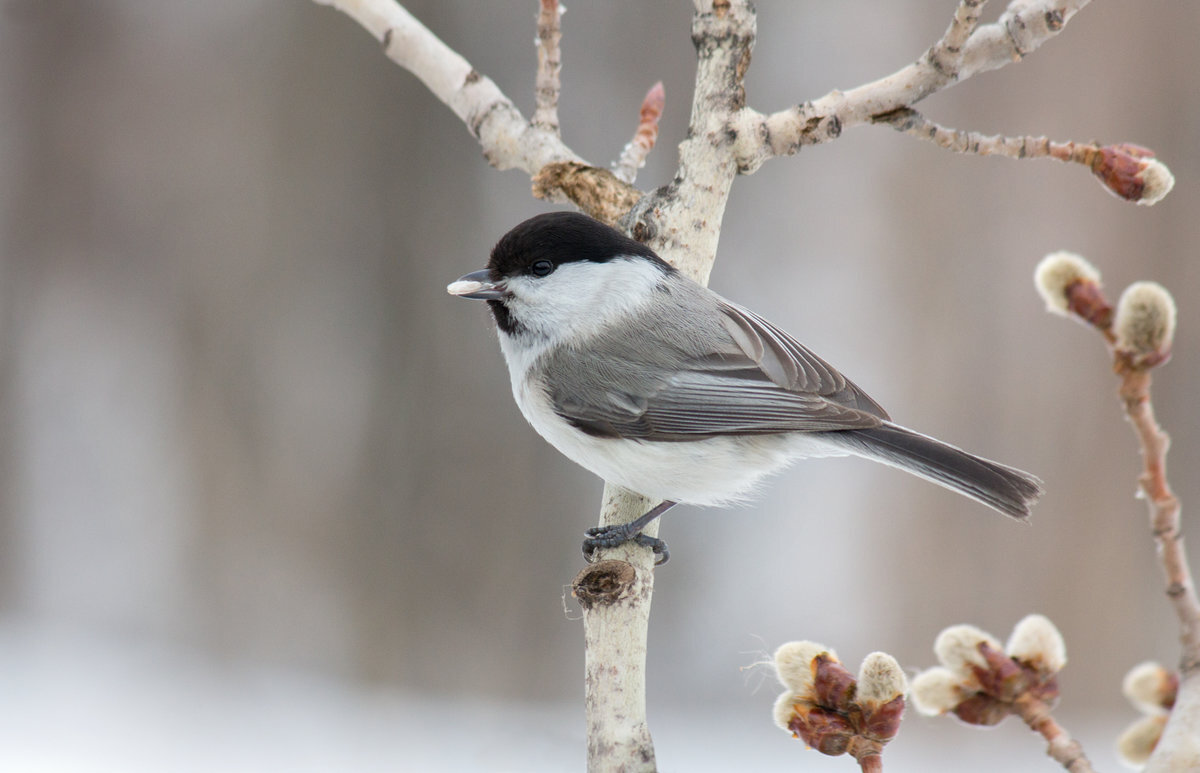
(541, 268)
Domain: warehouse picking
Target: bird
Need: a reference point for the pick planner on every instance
(656, 383)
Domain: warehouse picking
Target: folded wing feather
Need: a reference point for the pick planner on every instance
(762, 381)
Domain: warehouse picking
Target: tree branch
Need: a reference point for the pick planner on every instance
(682, 220)
(946, 54)
(549, 35)
(1179, 747)
(508, 140)
(615, 594)
(1126, 171)
(1060, 746)
(1023, 26)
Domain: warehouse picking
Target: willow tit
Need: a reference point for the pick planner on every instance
(658, 384)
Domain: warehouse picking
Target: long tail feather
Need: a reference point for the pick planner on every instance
(998, 486)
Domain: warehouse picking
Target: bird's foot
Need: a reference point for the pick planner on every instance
(618, 534)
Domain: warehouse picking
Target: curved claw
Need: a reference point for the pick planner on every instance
(611, 536)
(661, 554)
(618, 534)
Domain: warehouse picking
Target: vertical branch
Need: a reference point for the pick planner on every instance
(682, 221)
(615, 596)
(1178, 748)
(548, 84)
(1164, 512)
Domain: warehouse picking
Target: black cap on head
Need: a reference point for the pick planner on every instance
(562, 237)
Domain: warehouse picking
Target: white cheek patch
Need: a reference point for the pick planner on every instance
(580, 298)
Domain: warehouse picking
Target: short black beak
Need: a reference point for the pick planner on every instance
(477, 285)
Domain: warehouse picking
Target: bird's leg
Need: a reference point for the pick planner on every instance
(618, 534)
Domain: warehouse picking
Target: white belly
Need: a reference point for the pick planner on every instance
(715, 471)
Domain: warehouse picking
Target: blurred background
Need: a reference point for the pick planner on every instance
(267, 502)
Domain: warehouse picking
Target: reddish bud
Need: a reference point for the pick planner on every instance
(981, 683)
(982, 709)
(1071, 286)
(652, 110)
(833, 685)
(832, 711)
(1003, 678)
(1086, 300)
(883, 723)
(826, 731)
(1132, 173)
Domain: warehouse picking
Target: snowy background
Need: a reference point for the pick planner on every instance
(267, 504)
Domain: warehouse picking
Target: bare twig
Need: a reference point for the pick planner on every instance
(1127, 171)
(916, 125)
(1060, 746)
(633, 157)
(1177, 749)
(1164, 509)
(1023, 26)
(946, 54)
(508, 141)
(549, 35)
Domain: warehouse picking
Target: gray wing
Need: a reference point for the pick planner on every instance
(755, 379)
